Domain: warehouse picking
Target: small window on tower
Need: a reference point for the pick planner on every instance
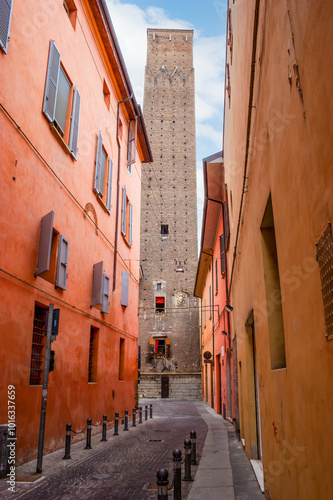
(164, 229)
(160, 305)
(159, 286)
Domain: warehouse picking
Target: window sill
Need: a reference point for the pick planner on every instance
(61, 141)
(101, 202)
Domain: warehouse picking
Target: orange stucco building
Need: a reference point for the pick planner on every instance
(278, 159)
(212, 288)
(72, 142)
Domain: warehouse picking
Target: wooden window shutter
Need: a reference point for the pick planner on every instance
(51, 87)
(167, 348)
(98, 172)
(226, 226)
(123, 218)
(97, 284)
(110, 173)
(210, 301)
(131, 147)
(222, 250)
(105, 293)
(5, 18)
(45, 243)
(124, 288)
(216, 277)
(130, 224)
(75, 118)
(151, 348)
(61, 279)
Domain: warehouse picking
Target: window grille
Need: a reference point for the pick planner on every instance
(38, 345)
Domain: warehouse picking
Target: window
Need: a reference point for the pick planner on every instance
(325, 261)
(159, 348)
(107, 96)
(205, 314)
(5, 18)
(159, 286)
(223, 257)
(101, 289)
(131, 146)
(273, 290)
(70, 8)
(159, 305)
(53, 254)
(216, 278)
(127, 218)
(93, 354)
(226, 226)
(59, 94)
(124, 288)
(122, 359)
(164, 229)
(103, 175)
(38, 345)
(210, 302)
(228, 84)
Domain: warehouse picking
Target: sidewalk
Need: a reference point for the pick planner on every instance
(124, 468)
(224, 471)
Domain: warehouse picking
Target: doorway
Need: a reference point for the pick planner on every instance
(165, 386)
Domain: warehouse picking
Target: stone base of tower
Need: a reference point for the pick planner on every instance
(170, 385)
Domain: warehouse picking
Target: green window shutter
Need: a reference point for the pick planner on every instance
(98, 163)
(105, 294)
(51, 87)
(124, 288)
(45, 243)
(6, 7)
(222, 251)
(123, 217)
(75, 118)
(97, 284)
(130, 224)
(110, 173)
(61, 279)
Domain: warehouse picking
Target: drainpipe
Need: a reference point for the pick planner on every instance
(248, 133)
(118, 189)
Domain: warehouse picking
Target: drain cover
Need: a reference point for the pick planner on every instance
(155, 440)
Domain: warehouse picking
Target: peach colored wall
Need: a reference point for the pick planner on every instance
(30, 190)
(290, 157)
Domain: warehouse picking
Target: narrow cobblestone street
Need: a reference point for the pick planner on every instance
(125, 467)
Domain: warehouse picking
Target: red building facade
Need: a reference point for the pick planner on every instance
(73, 141)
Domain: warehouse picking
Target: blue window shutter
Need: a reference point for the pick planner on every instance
(124, 288)
(61, 279)
(130, 224)
(123, 219)
(45, 243)
(108, 201)
(75, 118)
(97, 284)
(52, 78)
(98, 164)
(105, 294)
(6, 8)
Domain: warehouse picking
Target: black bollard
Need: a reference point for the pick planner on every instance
(68, 442)
(146, 412)
(105, 419)
(140, 415)
(88, 445)
(150, 411)
(177, 489)
(134, 418)
(126, 421)
(116, 423)
(193, 436)
(187, 446)
(162, 484)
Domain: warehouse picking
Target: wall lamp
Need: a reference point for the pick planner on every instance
(229, 308)
(224, 333)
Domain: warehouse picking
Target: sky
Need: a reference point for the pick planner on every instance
(131, 18)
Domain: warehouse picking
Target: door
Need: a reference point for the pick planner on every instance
(165, 386)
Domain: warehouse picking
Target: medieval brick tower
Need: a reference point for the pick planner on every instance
(169, 313)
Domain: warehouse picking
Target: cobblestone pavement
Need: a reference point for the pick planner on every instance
(124, 467)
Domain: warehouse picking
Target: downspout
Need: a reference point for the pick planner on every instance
(248, 133)
(118, 189)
